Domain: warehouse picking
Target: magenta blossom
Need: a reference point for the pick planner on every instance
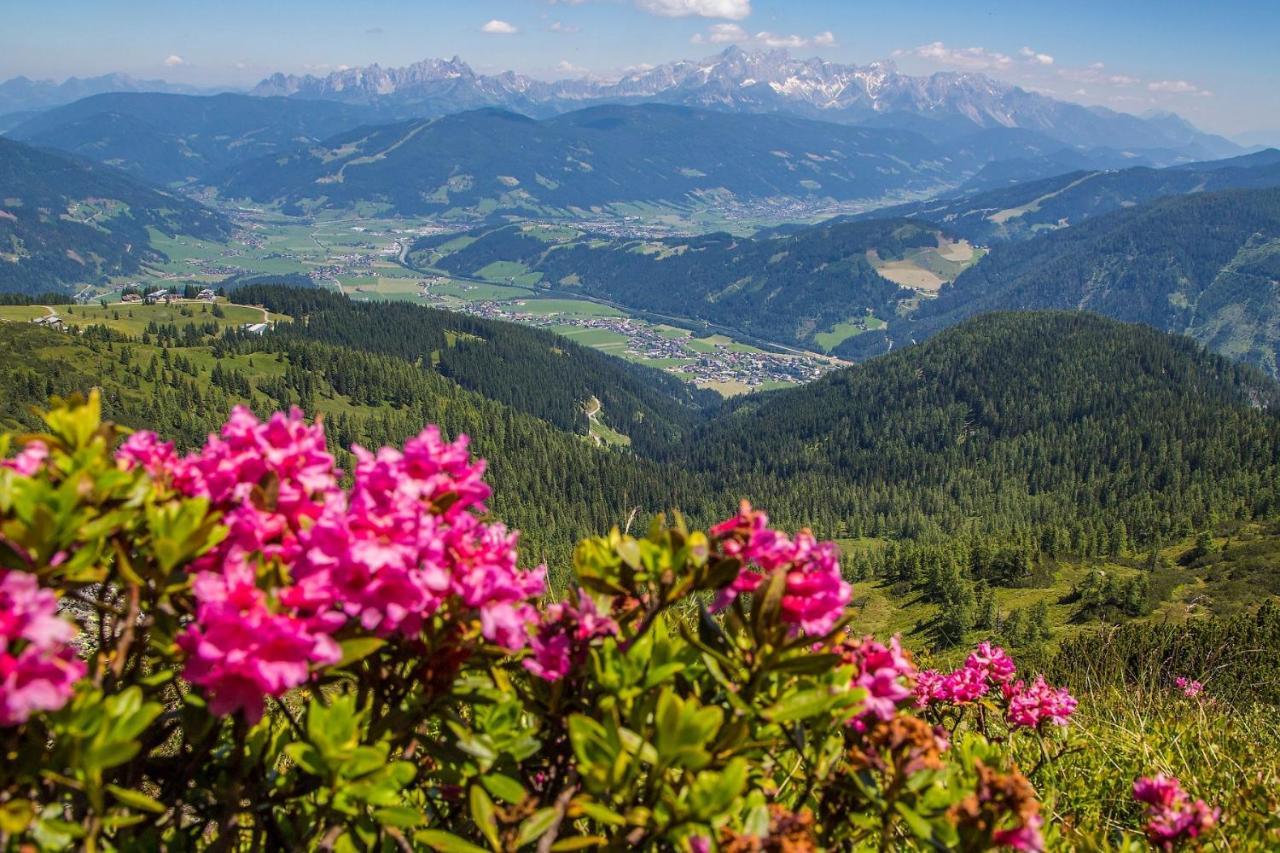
(1172, 817)
(38, 666)
(28, 460)
(1030, 706)
(405, 543)
(815, 595)
(1024, 837)
(1191, 689)
(560, 642)
(884, 671)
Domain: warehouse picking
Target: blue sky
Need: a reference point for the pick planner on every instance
(1214, 62)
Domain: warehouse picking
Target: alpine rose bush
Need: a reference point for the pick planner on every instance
(241, 647)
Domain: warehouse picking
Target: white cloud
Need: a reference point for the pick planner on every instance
(564, 66)
(968, 58)
(173, 60)
(561, 27)
(1041, 58)
(734, 34)
(638, 69)
(1176, 87)
(732, 10)
(722, 34)
(499, 28)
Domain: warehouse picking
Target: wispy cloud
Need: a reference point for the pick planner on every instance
(968, 58)
(173, 60)
(564, 66)
(499, 28)
(561, 27)
(1177, 87)
(1035, 56)
(734, 34)
(731, 10)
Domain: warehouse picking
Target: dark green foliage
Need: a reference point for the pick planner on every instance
(595, 156)
(1057, 425)
(1237, 659)
(44, 248)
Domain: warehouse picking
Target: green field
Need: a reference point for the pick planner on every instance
(841, 332)
(133, 319)
(21, 313)
(565, 307)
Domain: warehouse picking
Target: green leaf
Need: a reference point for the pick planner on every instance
(503, 787)
(799, 706)
(482, 813)
(136, 800)
(535, 826)
(357, 649)
(401, 817)
(446, 842)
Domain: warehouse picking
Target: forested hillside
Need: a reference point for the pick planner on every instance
(1031, 207)
(531, 370)
(786, 289)
(1056, 427)
(487, 161)
(1205, 265)
(63, 220)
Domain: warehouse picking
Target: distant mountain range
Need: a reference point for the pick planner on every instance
(168, 139)
(764, 81)
(490, 161)
(65, 220)
(22, 94)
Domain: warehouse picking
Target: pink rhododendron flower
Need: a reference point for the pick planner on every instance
(966, 684)
(403, 544)
(38, 667)
(930, 688)
(1172, 816)
(1024, 837)
(996, 663)
(1191, 689)
(28, 460)
(1029, 706)
(815, 595)
(560, 642)
(144, 449)
(239, 651)
(884, 671)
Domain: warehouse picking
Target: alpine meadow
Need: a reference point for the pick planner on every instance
(708, 426)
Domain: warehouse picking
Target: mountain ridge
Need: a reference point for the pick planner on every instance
(760, 81)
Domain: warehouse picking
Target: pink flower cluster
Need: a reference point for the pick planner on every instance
(816, 594)
(28, 460)
(38, 666)
(884, 671)
(1029, 706)
(561, 640)
(986, 667)
(1172, 817)
(1191, 689)
(405, 543)
(989, 667)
